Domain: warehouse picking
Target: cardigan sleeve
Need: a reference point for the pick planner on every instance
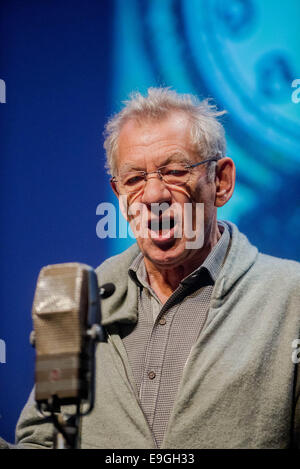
(34, 430)
(296, 410)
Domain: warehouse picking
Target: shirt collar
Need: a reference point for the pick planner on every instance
(137, 271)
(216, 258)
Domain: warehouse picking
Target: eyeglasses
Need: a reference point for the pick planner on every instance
(177, 174)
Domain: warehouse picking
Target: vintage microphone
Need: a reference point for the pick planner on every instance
(67, 326)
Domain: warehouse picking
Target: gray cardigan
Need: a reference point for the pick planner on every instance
(239, 387)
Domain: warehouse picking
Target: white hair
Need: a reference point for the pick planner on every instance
(207, 134)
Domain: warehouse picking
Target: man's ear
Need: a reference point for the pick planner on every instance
(114, 188)
(225, 181)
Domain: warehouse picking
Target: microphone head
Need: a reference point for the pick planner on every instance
(60, 318)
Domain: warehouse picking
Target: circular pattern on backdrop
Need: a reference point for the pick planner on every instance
(244, 54)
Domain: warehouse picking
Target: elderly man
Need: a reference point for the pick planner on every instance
(201, 326)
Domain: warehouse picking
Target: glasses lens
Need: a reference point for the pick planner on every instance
(131, 182)
(175, 173)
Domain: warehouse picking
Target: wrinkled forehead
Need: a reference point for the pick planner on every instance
(151, 138)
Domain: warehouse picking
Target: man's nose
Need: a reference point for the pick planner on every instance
(155, 190)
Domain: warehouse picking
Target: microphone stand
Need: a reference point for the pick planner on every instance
(67, 430)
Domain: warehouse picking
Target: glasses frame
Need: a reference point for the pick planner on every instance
(158, 171)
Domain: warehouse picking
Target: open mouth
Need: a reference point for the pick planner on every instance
(161, 224)
(162, 230)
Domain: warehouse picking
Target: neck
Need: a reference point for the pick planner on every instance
(165, 281)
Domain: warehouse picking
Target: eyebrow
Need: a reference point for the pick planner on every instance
(174, 157)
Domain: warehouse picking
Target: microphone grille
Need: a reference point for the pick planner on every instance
(60, 316)
(59, 308)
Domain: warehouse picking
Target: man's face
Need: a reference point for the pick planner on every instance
(147, 146)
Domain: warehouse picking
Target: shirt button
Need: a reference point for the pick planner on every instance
(151, 375)
(162, 321)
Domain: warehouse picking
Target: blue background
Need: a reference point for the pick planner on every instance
(67, 66)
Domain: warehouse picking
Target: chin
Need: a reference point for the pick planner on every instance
(167, 255)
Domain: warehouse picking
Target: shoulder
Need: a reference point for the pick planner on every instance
(276, 265)
(254, 271)
(245, 258)
(117, 266)
(283, 273)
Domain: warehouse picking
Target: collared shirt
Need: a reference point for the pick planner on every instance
(159, 344)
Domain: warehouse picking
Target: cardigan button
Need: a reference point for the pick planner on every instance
(151, 375)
